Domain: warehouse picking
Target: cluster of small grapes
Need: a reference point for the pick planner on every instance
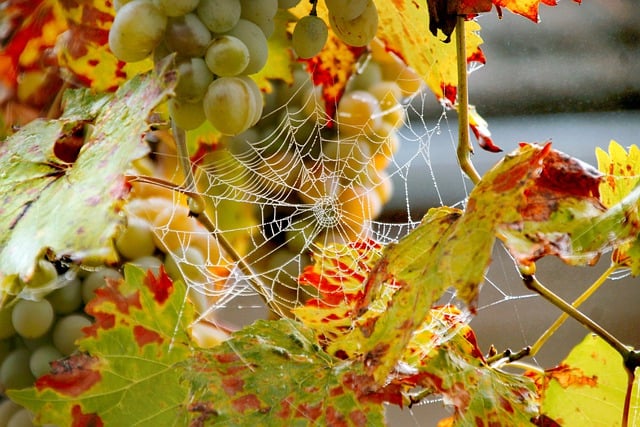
(354, 22)
(218, 44)
(33, 333)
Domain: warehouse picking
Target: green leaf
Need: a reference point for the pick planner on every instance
(273, 373)
(129, 372)
(63, 182)
(588, 387)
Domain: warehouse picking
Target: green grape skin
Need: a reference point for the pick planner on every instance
(176, 7)
(368, 76)
(39, 362)
(219, 15)
(230, 105)
(358, 112)
(347, 9)
(227, 56)
(187, 35)
(15, 372)
(257, 98)
(6, 325)
(147, 263)
(97, 279)
(287, 4)
(67, 298)
(67, 331)
(255, 40)
(309, 36)
(136, 240)
(7, 409)
(22, 418)
(359, 31)
(137, 29)
(186, 115)
(32, 319)
(261, 13)
(186, 265)
(194, 77)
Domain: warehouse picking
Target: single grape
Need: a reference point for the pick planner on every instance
(287, 4)
(219, 15)
(15, 371)
(187, 115)
(255, 40)
(389, 96)
(194, 77)
(147, 263)
(68, 330)
(97, 279)
(227, 56)
(176, 7)
(366, 77)
(230, 105)
(67, 298)
(257, 98)
(7, 409)
(261, 13)
(358, 31)
(136, 30)
(187, 35)
(41, 358)
(136, 240)
(309, 36)
(22, 418)
(347, 9)
(6, 326)
(358, 112)
(186, 264)
(32, 319)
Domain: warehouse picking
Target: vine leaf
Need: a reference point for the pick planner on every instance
(588, 387)
(273, 373)
(85, 154)
(137, 344)
(622, 175)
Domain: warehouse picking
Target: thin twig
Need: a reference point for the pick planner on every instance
(464, 144)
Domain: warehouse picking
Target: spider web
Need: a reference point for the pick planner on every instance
(296, 183)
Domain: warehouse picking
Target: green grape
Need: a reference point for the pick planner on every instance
(6, 326)
(68, 298)
(255, 40)
(347, 9)
(97, 279)
(358, 31)
(257, 98)
(369, 75)
(15, 371)
(68, 330)
(22, 418)
(136, 30)
(147, 263)
(41, 358)
(136, 240)
(261, 13)
(309, 36)
(287, 4)
(187, 35)
(219, 15)
(230, 105)
(187, 264)
(186, 115)
(227, 56)
(32, 319)
(176, 7)
(358, 112)
(7, 409)
(194, 77)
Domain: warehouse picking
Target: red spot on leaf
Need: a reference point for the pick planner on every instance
(80, 419)
(249, 402)
(310, 412)
(71, 376)
(358, 418)
(232, 385)
(144, 336)
(568, 376)
(227, 357)
(335, 418)
(161, 286)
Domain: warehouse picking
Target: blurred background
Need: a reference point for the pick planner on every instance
(573, 79)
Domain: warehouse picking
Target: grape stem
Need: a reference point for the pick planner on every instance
(190, 189)
(465, 149)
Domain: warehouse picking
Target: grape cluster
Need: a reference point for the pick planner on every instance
(217, 43)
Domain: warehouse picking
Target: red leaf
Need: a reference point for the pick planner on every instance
(71, 376)
(161, 286)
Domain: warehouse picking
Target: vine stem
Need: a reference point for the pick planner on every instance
(564, 316)
(465, 149)
(197, 210)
